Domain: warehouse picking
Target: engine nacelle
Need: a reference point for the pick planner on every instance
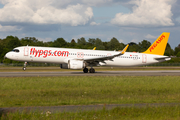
(73, 64)
(64, 66)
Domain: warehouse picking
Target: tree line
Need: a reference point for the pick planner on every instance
(11, 42)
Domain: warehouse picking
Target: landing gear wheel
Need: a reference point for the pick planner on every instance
(92, 70)
(85, 70)
(24, 68)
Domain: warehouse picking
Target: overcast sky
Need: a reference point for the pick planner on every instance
(127, 20)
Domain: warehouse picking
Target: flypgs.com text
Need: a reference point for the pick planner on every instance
(46, 53)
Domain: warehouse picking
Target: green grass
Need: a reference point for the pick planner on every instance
(133, 113)
(85, 90)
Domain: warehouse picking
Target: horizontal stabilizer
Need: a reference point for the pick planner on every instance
(165, 58)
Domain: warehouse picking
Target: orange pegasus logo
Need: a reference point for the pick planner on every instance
(156, 43)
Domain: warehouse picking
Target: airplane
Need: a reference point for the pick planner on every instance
(82, 58)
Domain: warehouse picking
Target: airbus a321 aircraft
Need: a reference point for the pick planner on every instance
(81, 58)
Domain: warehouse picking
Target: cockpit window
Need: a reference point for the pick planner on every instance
(15, 50)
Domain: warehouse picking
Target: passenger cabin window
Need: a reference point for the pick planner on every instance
(15, 50)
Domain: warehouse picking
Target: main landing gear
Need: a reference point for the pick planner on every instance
(24, 68)
(91, 70)
(85, 70)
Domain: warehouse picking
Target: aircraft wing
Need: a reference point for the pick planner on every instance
(101, 59)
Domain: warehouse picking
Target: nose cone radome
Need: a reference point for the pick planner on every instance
(8, 55)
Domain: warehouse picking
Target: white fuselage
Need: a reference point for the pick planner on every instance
(62, 55)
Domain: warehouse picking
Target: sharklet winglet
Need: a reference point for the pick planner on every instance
(124, 50)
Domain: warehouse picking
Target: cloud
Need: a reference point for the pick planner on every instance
(121, 40)
(45, 39)
(146, 13)
(97, 2)
(38, 12)
(148, 36)
(178, 19)
(89, 35)
(8, 28)
(134, 40)
(94, 23)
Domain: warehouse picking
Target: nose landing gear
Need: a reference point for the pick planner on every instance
(24, 68)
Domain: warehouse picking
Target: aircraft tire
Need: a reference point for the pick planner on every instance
(85, 70)
(24, 68)
(92, 70)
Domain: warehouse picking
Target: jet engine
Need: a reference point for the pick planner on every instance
(73, 64)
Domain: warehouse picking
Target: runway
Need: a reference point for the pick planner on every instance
(99, 73)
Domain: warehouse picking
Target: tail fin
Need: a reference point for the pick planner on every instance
(159, 46)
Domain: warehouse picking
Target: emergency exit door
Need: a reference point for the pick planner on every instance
(26, 51)
(144, 58)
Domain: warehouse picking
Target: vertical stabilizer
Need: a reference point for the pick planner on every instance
(159, 46)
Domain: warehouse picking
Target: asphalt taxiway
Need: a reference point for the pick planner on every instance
(99, 73)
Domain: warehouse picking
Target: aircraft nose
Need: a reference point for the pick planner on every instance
(8, 55)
